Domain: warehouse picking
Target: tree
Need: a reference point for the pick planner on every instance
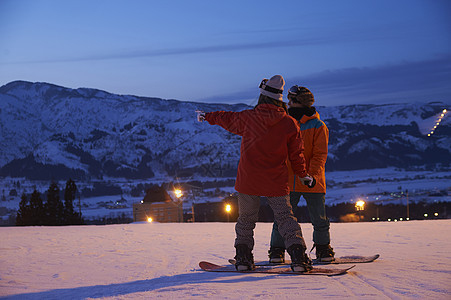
(23, 214)
(54, 206)
(70, 216)
(37, 212)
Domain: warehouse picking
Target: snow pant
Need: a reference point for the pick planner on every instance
(317, 211)
(289, 229)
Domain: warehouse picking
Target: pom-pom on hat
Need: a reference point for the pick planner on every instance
(273, 87)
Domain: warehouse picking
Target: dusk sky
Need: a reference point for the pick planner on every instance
(345, 52)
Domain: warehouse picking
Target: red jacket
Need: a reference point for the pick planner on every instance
(269, 137)
(316, 138)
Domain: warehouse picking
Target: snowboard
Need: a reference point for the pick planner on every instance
(353, 259)
(207, 266)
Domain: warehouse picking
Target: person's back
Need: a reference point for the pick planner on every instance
(269, 136)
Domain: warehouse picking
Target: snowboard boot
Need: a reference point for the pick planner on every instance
(324, 253)
(276, 255)
(300, 262)
(244, 259)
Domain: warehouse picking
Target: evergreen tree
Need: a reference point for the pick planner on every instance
(23, 214)
(70, 216)
(54, 206)
(37, 213)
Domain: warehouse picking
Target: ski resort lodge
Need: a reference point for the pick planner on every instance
(158, 206)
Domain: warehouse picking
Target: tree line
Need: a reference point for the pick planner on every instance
(54, 212)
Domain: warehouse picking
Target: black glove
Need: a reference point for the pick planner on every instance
(308, 180)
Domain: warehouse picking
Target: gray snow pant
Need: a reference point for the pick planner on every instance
(317, 211)
(249, 206)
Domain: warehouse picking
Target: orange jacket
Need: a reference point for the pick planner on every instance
(269, 137)
(316, 139)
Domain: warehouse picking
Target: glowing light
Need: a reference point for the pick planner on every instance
(425, 215)
(178, 193)
(228, 208)
(436, 214)
(149, 219)
(438, 122)
(360, 205)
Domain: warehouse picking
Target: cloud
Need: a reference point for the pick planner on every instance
(420, 81)
(324, 39)
(405, 82)
(175, 51)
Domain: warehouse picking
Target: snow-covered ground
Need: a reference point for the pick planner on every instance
(151, 260)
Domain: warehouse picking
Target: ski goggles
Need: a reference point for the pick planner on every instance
(293, 92)
(269, 88)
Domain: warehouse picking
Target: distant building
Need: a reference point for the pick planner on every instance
(158, 205)
(121, 203)
(216, 211)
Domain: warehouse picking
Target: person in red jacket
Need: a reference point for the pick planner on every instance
(316, 136)
(270, 138)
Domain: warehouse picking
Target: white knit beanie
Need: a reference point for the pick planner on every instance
(273, 87)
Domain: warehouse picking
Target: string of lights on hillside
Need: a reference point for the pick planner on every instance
(444, 111)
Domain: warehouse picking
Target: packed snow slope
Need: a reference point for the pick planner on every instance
(149, 261)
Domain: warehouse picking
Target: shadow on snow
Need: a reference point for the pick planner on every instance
(139, 286)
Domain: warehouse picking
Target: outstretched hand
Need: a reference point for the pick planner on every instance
(200, 116)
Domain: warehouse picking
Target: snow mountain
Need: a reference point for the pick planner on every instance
(52, 132)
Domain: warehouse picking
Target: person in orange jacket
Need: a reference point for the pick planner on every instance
(270, 138)
(316, 137)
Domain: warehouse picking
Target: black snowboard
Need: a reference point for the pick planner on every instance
(207, 266)
(353, 259)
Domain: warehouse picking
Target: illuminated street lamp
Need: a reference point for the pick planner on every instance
(178, 193)
(149, 219)
(228, 209)
(359, 206)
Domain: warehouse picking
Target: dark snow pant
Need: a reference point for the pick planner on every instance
(289, 228)
(317, 211)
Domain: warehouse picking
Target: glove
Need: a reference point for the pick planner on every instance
(200, 116)
(308, 180)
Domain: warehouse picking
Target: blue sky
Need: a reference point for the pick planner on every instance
(345, 52)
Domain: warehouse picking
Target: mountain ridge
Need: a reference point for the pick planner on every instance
(49, 131)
